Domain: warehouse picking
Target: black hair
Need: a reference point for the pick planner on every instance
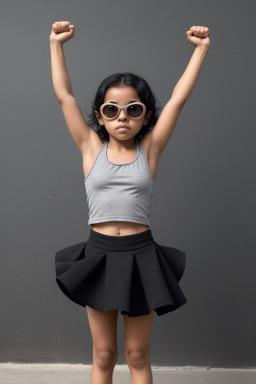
(144, 92)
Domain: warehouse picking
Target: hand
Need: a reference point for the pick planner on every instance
(199, 36)
(62, 31)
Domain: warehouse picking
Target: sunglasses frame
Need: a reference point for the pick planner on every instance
(125, 109)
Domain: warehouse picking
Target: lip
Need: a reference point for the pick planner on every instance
(122, 126)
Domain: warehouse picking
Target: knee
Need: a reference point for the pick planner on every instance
(105, 358)
(137, 358)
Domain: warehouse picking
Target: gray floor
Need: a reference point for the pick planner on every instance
(11, 373)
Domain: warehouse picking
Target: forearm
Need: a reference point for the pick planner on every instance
(60, 78)
(187, 81)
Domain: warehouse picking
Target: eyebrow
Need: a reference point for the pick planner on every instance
(128, 103)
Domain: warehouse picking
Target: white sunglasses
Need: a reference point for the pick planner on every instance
(133, 110)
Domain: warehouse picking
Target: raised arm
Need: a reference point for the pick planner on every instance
(161, 133)
(187, 82)
(79, 129)
(61, 81)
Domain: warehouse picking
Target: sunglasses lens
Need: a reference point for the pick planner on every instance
(135, 110)
(110, 111)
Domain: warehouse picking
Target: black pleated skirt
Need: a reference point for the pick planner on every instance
(133, 274)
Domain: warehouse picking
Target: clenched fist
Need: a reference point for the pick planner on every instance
(199, 36)
(62, 31)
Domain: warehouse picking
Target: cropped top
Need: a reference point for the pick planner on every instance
(119, 192)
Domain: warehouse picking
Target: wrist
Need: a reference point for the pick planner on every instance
(56, 43)
(203, 46)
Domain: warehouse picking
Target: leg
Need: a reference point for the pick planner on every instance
(137, 347)
(103, 329)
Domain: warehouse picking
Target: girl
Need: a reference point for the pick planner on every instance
(121, 267)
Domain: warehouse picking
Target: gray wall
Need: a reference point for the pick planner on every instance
(204, 201)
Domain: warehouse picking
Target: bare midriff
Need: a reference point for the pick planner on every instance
(119, 228)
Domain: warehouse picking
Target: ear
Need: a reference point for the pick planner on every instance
(147, 117)
(99, 118)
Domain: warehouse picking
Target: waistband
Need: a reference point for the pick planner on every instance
(120, 243)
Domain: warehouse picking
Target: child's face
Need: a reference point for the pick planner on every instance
(122, 95)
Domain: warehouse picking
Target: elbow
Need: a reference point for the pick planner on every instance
(64, 96)
(178, 101)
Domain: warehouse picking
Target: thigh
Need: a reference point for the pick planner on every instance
(138, 331)
(103, 327)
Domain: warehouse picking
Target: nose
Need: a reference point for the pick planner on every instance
(122, 114)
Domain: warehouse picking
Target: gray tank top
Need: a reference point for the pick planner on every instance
(119, 192)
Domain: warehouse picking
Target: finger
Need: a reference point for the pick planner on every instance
(71, 30)
(199, 31)
(55, 26)
(204, 29)
(62, 25)
(194, 30)
(65, 25)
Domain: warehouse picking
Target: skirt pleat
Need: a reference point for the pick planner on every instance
(133, 274)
